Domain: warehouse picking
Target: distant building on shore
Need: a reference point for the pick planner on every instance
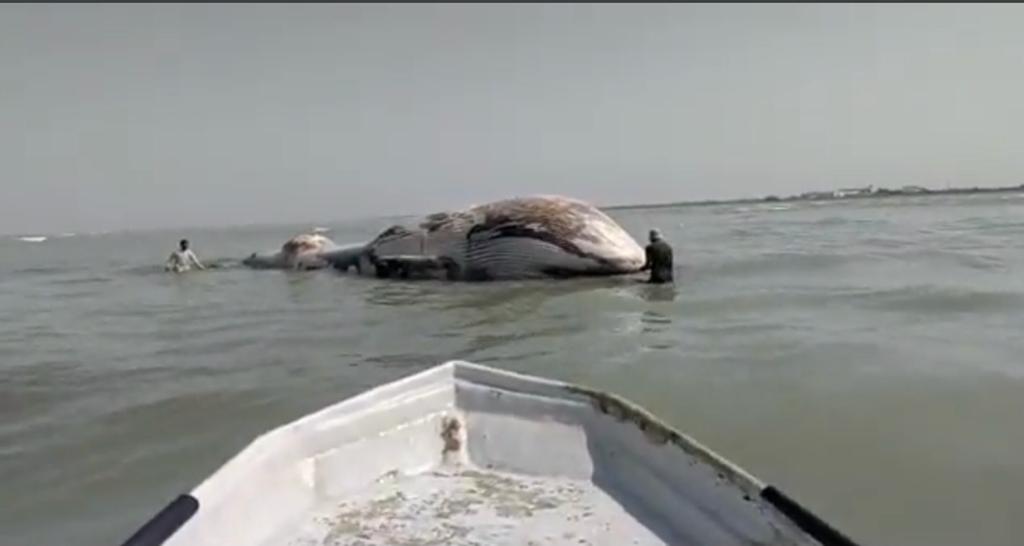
(854, 192)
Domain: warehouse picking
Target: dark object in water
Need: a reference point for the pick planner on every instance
(659, 259)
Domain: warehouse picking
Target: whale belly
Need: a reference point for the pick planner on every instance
(525, 258)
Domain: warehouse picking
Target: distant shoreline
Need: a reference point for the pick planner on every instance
(835, 195)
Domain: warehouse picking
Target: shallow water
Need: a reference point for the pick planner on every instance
(863, 356)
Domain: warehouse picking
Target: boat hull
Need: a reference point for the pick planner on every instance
(465, 454)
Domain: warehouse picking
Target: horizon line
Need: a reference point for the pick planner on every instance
(620, 206)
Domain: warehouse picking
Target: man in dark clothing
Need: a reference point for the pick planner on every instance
(659, 259)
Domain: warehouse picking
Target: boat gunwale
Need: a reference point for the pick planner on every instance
(657, 430)
(619, 408)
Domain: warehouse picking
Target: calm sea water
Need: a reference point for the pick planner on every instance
(867, 357)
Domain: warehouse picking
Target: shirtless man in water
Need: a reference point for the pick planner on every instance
(183, 259)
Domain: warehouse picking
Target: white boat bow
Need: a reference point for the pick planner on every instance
(465, 454)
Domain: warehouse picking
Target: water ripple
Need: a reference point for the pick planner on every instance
(848, 323)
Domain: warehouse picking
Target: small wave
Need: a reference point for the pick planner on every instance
(740, 231)
(776, 262)
(930, 299)
(41, 271)
(66, 235)
(143, 270)
(831, 221)
(762, 208)
(886, 242)
(32, 239)
(92, 279)
(940, 257)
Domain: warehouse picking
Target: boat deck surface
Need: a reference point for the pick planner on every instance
(473, 507)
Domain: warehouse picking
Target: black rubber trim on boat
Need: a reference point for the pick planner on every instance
(811, 524)
(164, 524)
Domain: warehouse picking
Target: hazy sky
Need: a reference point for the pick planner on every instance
(139, 116)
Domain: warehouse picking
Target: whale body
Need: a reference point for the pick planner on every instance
(519, 238)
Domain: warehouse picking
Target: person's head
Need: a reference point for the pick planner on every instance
(183, 244)
(654, 235)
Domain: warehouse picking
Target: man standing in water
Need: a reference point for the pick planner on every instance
(659, 259)
(183, 259)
